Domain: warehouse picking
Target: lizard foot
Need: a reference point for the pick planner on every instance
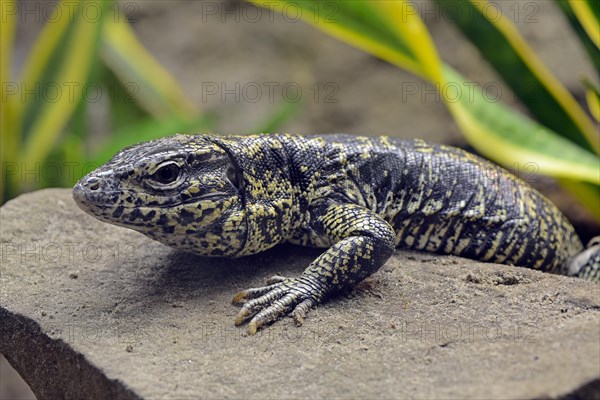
(279, 298)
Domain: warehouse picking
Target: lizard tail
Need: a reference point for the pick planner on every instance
(586, 265)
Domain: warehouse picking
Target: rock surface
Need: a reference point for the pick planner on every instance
(89, 310)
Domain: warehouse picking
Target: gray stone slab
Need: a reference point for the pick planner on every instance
(89, 310)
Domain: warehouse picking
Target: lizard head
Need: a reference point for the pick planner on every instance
(181, 190)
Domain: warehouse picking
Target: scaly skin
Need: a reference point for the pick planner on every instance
(358, 197)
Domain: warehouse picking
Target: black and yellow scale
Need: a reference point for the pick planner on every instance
(359, 197)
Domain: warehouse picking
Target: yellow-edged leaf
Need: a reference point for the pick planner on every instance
(587, 13)
(151, 84)
(9, 136)
(43, 49)
(8, 15)
(502, 45)
(592, 97)
(508, 137)
(66, 50)
(500, 133)
(391, 30)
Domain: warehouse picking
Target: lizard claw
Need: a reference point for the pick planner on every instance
(245, 295)
(266, 304)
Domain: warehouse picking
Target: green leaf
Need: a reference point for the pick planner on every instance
(588, 14)
(7, 36)
(501, 44)
(391, 30)
(124, 108)
(508, 137)
(500, 133)
(58, 69)
(63, 164)
(149, 82)
(592, 96)
(9, 135)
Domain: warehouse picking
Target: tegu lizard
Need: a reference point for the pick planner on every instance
(357, 197)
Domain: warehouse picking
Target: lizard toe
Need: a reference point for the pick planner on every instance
(288, 296)
(302, 309)
(244, 296)
(251, 307)
(277, 310)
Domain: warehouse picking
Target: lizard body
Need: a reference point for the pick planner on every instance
(359, 197)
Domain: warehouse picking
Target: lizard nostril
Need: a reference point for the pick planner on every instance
(93, 183)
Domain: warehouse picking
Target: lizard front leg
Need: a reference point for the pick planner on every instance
(363, 242)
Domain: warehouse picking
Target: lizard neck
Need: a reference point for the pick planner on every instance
(266, 189)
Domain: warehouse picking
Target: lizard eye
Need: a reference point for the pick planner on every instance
(167, 173)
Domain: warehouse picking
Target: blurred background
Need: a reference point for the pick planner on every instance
(81, 80)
